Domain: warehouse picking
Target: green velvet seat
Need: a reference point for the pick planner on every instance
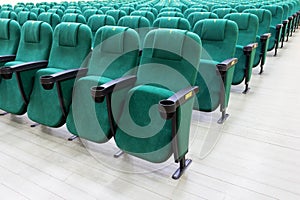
(73, 17)
(246, 46)
(263, 35)
(115, 54)
(116, 14)
(140, 24)
(9, 40)
(193, 18)
(97, 21)
(34, 45)
(155, 120)
(221, 12)
(219, 39)
(71, 45)
(89, 12)
(104, 9)
(20, 8)
(149, 15)
(170, 14)
(172, 22)
(276, 26)
(193, 10)
(51, 18)
(8, 15)
(59, 12)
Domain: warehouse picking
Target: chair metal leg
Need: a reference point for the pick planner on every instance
(183, 164)
(34, 125)
(223, 117)
(3, 114)
(246, 88)
(118, 154)
(72, 138)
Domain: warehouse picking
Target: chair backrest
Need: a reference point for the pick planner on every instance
(264, 18)
(89, 12)
(169, 9)
(221, 12)
(241, 8)
(170, 14)
(116, 14)
(97, 21)
(116, 48)
(24, 16)
(8, 15)
(104, 9)
(219, 38)
(37, 11)
(248, 27)
(200, 6)
(127, 9)
(140, 24)
(71, 44)
(193, 18)
(182, 56)
(72, 10)
(21, 8)
(73, 17)
(9, 36)
(35, 42)
(51, 18)
(154, 11)
(193, 10)
(220, 6)
(277, 13)
(172, 22)
(59, 12)
(149, 15)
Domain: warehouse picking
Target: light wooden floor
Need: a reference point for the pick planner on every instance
(257, 155)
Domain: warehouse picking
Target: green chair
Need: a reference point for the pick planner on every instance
(116, 14)
(276, 26)
(193, 18)
(8, 15)
(97, 21)
(73, 17)
(115, 54)
(33, 52)
(51, 18)
(155, 120)
(9, 40)
(219, 39)
(59, 12)
(20, 8)
(170, 14)
(263, 35)
(221, 12)
(24, 16)
(49, 105)
(104, 9)
(241, 8)
(37, 11)
(154, 11)
(140, 24)
(172, 22)
(127, 9)
(89, 12)
(72, 10)
(170, 9)
(246, 46)
(193, 10)
(143, 13)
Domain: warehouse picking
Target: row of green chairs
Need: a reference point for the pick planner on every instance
(39, 80)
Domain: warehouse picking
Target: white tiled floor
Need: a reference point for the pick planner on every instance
(257, 155)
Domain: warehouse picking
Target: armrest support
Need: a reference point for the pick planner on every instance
(99, 92)
(226, 64)
(7, 72)
(279, 26)
(265, 36)
(167, 107)
(48, 81)
(7, 58)
(250, 47)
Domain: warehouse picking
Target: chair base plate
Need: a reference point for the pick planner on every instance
(178, 173)
(72, 138)
(118, 154)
